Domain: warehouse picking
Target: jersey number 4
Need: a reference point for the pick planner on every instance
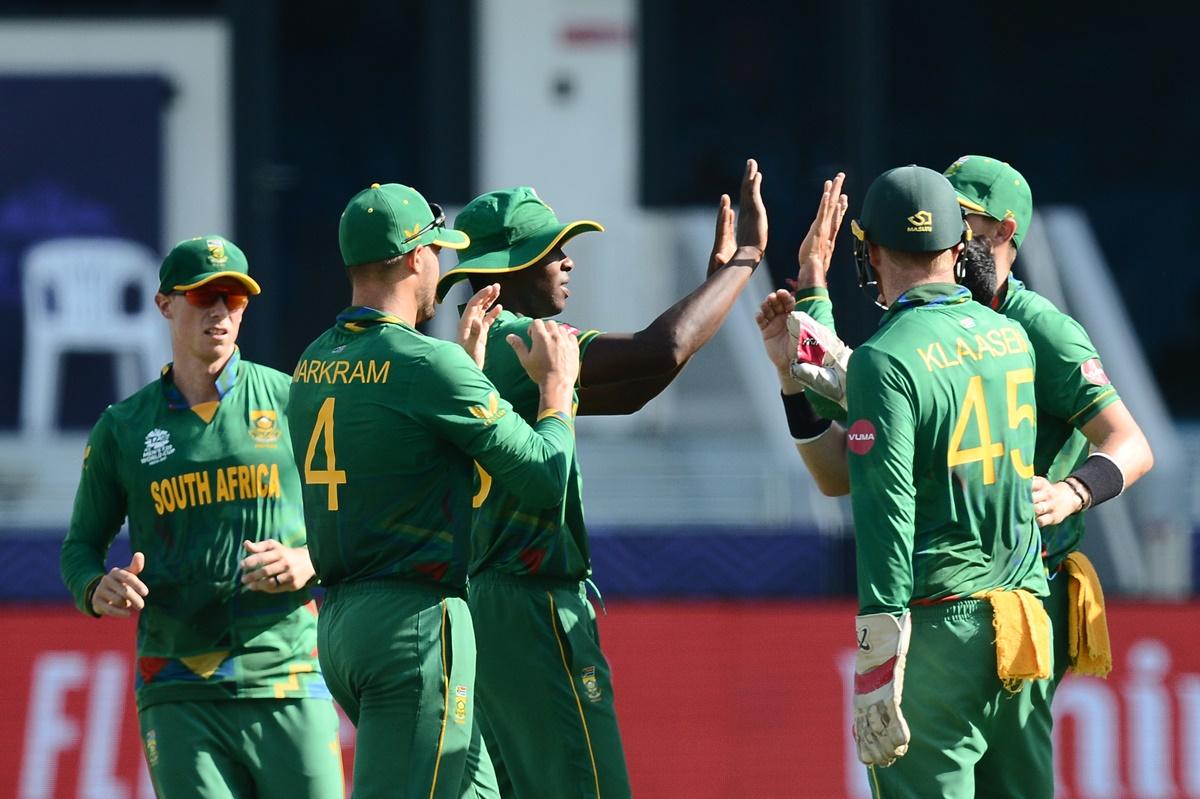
(974, 409)
(330, 476)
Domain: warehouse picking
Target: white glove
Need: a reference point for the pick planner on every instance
(821, 357)
(879, 727)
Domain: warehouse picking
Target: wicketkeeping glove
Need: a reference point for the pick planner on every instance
(821, 357)
(880, 730)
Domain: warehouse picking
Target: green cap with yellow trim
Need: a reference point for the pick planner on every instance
(387, 220)
(910, 208)
(193, 262)
(991, 187)
(510, 229)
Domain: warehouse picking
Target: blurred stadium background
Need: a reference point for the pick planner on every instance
(130, 124)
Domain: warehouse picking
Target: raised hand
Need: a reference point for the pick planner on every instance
(274, 568)
(752, 214)
(121, 591)
(554, 354)
(816, 251)
(772, 319)
(724, 243)
(477, 319)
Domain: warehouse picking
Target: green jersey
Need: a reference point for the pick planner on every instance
(386, 423)
(194, 484)
(1071, 389)
(941, 453)
(510, 534)
(1070, 385)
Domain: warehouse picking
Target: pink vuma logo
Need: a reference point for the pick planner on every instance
(861, 437)
(1093, 372)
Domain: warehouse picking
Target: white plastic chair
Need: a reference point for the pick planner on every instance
(75, 294)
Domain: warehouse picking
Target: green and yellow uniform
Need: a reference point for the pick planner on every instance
(546, 688)
(213, 657)
(941, 443)
(1071, 388)
(546, 693)
(387, 424)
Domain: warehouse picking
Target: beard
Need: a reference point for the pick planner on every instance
(979, 270)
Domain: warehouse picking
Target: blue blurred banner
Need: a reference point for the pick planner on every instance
(79, 156)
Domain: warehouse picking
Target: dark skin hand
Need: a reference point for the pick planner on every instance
(623, 371)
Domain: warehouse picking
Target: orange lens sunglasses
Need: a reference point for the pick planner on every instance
(205, 297)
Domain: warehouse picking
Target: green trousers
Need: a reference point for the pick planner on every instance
(1057, 608)
(545, 690)
(243, 749)
(399, 657)
(970, 736)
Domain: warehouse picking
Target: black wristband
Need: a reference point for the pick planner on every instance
(803, 422)
(1102, 477)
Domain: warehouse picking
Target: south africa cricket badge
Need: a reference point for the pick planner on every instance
(151, 748)
(264, 428)
(590, 686)
(461, 694)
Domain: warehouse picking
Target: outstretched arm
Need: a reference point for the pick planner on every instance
(822, 445)
(663, 347)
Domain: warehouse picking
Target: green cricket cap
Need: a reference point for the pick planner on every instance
(193, 262)
(911, 208)
(991, 187)
(510, 229)
(387, 220)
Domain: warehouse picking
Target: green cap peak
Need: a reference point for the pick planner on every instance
(193, 262)
(387, 220)
(912, 208)
(510, 229)
(991, 187)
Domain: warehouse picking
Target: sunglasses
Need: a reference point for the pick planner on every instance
(439, 220)
(206, 297)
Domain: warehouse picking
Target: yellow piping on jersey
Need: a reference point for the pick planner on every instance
(1103, 395)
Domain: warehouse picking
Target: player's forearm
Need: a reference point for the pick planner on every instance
(535, 467)
(690, 323)
(810, 277)
(556, 394)
(81, 565)
(676, 335)
(826, 460)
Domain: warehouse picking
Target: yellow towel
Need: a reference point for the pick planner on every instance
(1087, 628)
(1022, 637)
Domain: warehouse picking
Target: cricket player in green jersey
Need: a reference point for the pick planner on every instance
(954, 646)
(545, 686)
(387, 424)
(1089, 448)
(1078, 408)
(230, 697)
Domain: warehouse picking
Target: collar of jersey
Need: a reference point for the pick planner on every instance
(358, 318)
(928, 295)
(1013, 288)
(224, 382)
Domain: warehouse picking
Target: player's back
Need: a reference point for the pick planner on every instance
(384, 493)
(942, 440)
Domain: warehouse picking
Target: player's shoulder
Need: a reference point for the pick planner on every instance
(1042, 320)
(510, 323)
(265, 374)
(145, 400)
(443, 357)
